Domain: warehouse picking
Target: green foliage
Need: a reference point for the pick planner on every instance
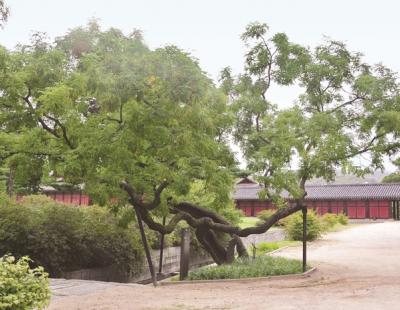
(261, 266)
(63, 238)
(392, 178)
(294, 228)
(343, 219)
(266, 214)
(4, 13)
(22, 287)
(344, 108)
(328, 221)
(112, 110)
(248, 221)
(265, 247)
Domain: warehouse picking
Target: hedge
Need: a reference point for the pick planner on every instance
(64, 238)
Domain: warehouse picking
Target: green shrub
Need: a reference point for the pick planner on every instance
(265, 214)
(261, 266)
(294, 228)
(328, 221)
(343, 219)
(21, 287)
(265, 247)
(63, 238)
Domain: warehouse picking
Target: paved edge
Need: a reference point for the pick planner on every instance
(243, 280)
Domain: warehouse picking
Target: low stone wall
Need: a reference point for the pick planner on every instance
(171, 263)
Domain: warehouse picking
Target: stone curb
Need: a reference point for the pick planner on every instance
(244, 280)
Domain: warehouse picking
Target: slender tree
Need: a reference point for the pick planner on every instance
(346, 109)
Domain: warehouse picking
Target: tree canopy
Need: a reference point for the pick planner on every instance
(346, 109)
(149, 128)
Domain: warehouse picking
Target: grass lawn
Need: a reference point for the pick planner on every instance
(248, 221)
(265, 247)
(261, 266)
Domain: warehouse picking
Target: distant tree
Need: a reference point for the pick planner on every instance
(395, 176)
(392, 178)
(4, 13)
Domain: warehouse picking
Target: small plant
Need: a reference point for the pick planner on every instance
(261, 266)
(294, 228)
(21, 287)
(328, 221)
(343, 219)
(265, 247)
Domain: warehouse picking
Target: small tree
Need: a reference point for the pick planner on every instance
(346, 108)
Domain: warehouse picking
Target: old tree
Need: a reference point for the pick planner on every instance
(148, 128)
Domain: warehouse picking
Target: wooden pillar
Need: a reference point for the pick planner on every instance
(304, 210)
(185, 251)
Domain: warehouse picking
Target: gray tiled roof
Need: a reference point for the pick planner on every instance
(336, 191)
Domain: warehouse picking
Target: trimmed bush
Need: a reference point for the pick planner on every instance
(266, 214)
(343, 219)
(294, 228)
(64, 238)
(261, 266)
(328, 221)
(21, 287)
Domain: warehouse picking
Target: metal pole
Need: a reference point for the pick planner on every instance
(161, 248)
(304, 210)
(146, 247)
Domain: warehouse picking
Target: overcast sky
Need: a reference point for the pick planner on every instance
(210, 29)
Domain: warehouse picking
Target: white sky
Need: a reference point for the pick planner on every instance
(211, 30)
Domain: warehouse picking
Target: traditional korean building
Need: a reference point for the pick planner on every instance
(357, 201)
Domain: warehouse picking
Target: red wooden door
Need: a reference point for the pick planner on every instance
(384, 207)
(361, 209)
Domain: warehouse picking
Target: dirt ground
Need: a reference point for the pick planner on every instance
(358, 268)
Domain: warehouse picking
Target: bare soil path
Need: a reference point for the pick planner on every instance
(358, 268)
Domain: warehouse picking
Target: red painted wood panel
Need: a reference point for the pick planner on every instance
(383, 212)
(373, 212)
(59, 197)
(361, 212)
(352, 212)
(76, 199)
(85, 200)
